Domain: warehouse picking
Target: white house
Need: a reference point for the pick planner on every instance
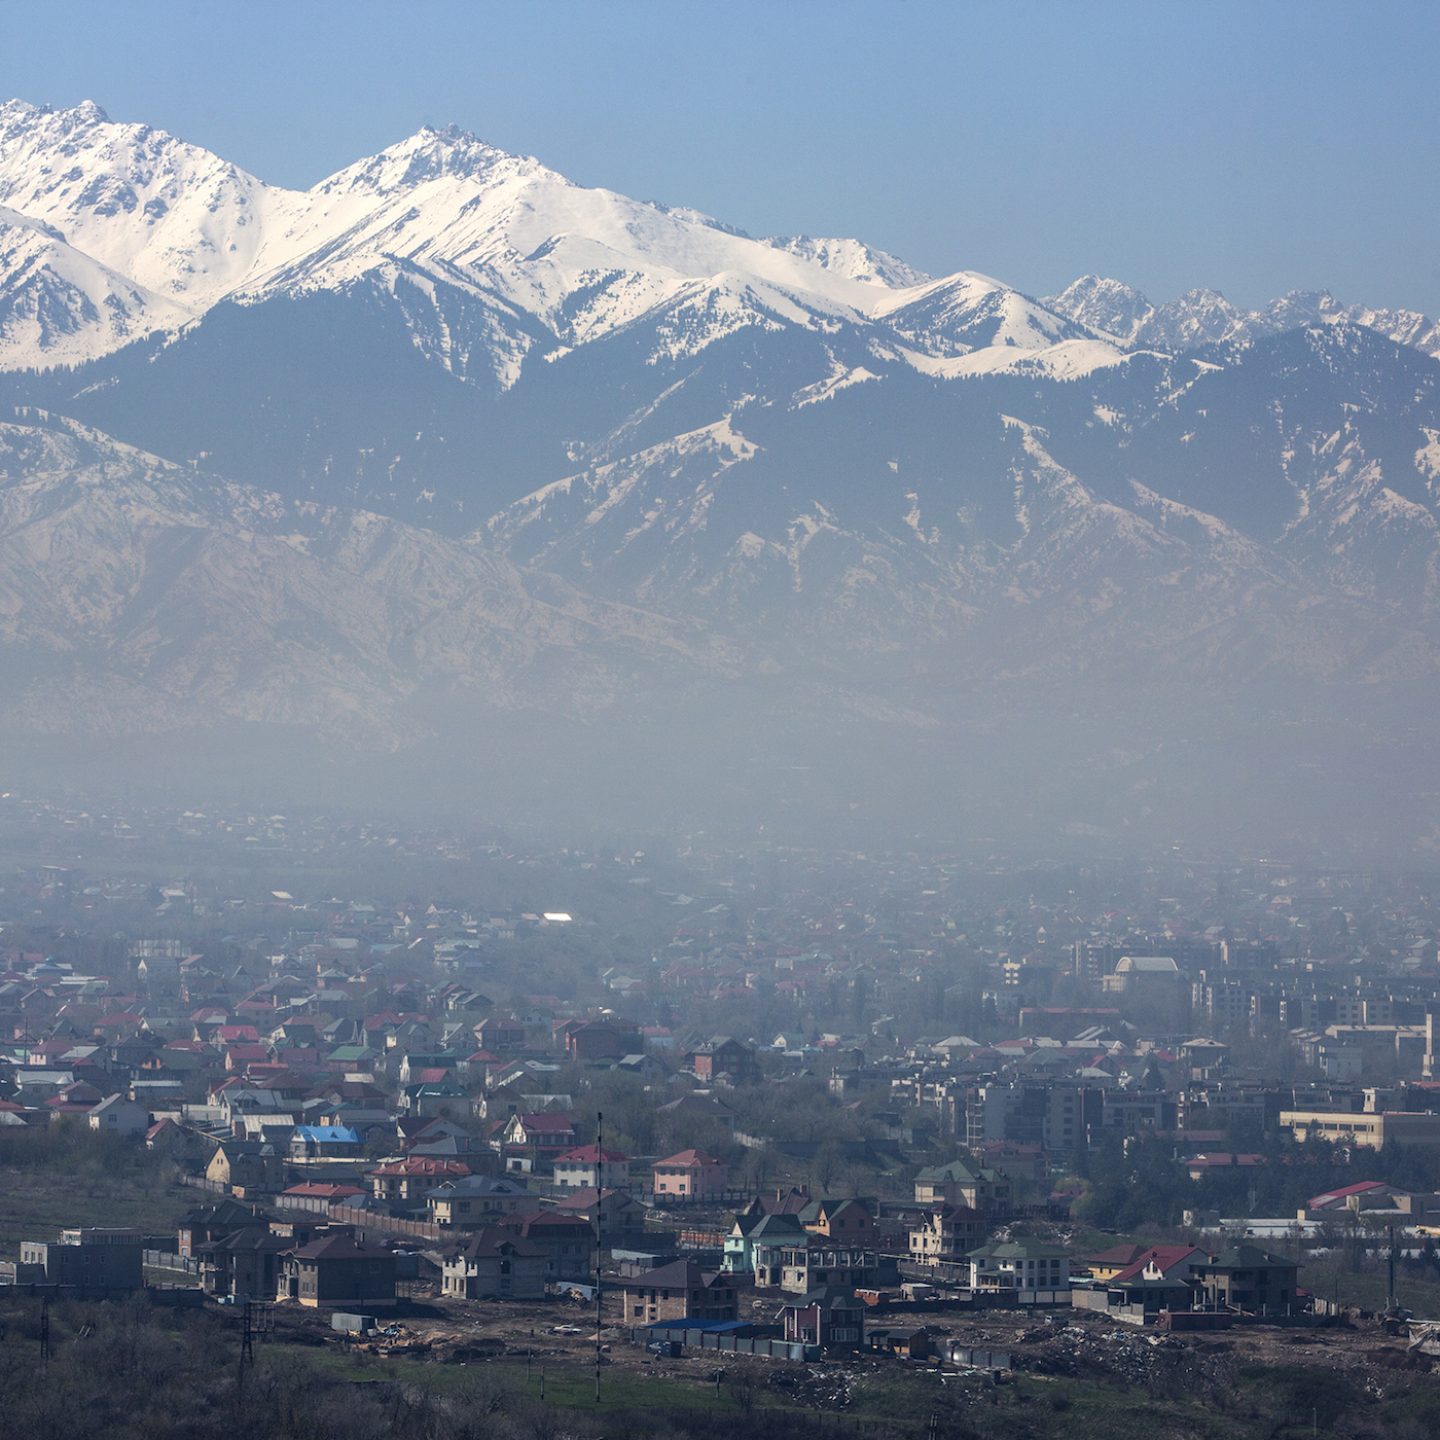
(1023, 1264)
(115, 1115)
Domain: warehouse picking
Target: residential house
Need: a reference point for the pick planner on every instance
(816, 1262)
(408, 1180)
(1109, 1263)
(531, 1141)
(209, 1222)
(723, 1055)
(690, 1175)
(90, 1259)
(762, 1247)
(848, 1220)
(829, 1316)
(315, 1197)
(501, 1034)
(678, 1291)
(588, 1167)
(946, 1234)
(338, 1271)
(1024, 1264)
(1179, 1263)
(313, 1142)
(590, 1041)
(496, 1264)
(476, 1200)
(568, 1241)
(246, 1168)
(115, 1115)
(245, 1264)
(963, 1183)
(1250, 1280)
(1162, 1279)
(616, 1216)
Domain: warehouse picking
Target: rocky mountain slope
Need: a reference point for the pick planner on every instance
(136, 594)
(448, 430)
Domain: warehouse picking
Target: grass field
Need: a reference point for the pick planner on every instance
(902, 1402)
(79, 1179)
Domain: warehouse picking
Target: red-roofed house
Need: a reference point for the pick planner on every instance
(410, 1178)
(315, 1197)
(1364, 1195)
(690, 1175)
(531, 1142)
(239, 1057)
(1198, 1166)
(588, 1167)
(1163, 1262)
(236, 1035)
(1109, 1263)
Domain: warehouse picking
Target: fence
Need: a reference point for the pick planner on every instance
(978, 1357)
(715, 1200)
(200, 1182)
(728, 1344)
(941, 1272)
(368, 1220)
(171, 1261)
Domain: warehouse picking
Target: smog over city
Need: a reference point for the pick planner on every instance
(718, 719)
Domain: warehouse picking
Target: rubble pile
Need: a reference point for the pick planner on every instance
(1132, 1357)
(816, 1387)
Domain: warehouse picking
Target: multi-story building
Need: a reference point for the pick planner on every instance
(92, 1259)
(1419, 1129)
(1021, 1264)
(946, 1235)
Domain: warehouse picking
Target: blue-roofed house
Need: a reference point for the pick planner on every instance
(312, 1142)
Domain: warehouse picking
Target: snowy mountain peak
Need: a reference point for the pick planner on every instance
(428, 154)
(60, 306)
(15, 113)
(1199, 317)
(170, 216)
(492, 260)
(1109, 306)
(852, 258)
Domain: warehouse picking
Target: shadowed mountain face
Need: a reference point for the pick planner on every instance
(542, 491)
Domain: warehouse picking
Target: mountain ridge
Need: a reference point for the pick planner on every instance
(448, 444)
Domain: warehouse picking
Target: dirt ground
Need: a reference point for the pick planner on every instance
(1062, 1344)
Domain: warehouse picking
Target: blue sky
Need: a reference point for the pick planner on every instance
(1251, 147)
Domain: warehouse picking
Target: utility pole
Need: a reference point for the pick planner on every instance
(599, 1235)
(256, 1321)
(247, 1356)
(44, 1329)
(1393, 1303)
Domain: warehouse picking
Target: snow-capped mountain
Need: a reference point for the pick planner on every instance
(1205, 317)
(448, 429)
(553, 264)
(170, 216)
(59, 306)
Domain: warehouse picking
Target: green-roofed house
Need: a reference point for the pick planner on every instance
(962, 1182)
(1021, 1264)
(1248, 1279)
(765, 1245)
(350, 1057)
